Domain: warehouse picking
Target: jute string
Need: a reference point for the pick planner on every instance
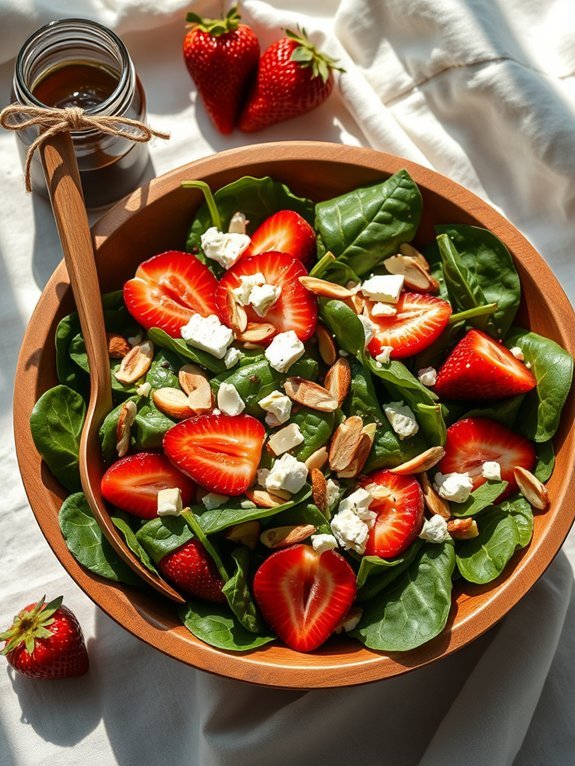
(52, 121)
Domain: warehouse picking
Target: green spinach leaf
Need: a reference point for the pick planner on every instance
(480, 498)
(239, 596)
(122, 523)
(217, 626)
(545, 460)
(162, 535)
(186, 353)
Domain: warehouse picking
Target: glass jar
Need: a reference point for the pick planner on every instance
(76, 62)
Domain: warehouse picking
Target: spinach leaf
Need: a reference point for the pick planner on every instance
(522, 514)
(344, 325)
(232, 513)
(316, 428)
(162, 535)
(192, 521)
(149, 426)
(163, 372)
(56, 424)
(217, 626)
(107, 432)
(505, 411)
(372, 566)
(304, 513)
(88, 545)
(364, 226)
(416, 608)
(552, 367)
(68, 373)
(480, 498)
(186, 353)
(122, 523)
(545, 460)
(239, 596)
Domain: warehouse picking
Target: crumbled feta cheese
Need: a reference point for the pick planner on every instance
(343, 352)
(384, 355)
(349, 530)
(517, 353)
(322, 543)
(383, 287)
(369, 328)
(332, 493)
(263, 297)
(278, 407)
(238, 223)
(247, 283)
(453, 486)
(285, 349)
(170, 502)
(285, 439)
(224, 248)
(213, 500)
(232, 357)
(427, 376)
(135, 340)
(401, 419)
(286, 473)
(351, 621)
(207, 334)
(358, 502)
(383, 310)
(528, 365)
(229, 401)
(434, 530)
(491, 470)
(144, 389)
(247, 504)
(215, 411)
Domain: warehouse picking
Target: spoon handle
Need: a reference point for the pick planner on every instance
(63, 182)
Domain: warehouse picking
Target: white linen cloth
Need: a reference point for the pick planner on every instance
(482, 91)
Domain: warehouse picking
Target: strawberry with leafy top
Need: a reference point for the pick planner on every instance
(220, 452)
(46, 641)
(191, 569)
(398, 504)
(133, 482)
(292, 78)
(473, 441)
(167, 289)
(303, 594)
(419, 320)
(480, 367)
(296, 307)
(286, 232)
(222, 57)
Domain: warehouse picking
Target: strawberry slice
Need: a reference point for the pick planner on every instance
(399, 515)
(295, 309)
(220, 452)
(480, 367)
(285, 232)
(420, 319)
(132, 483)
(474, 441)
(167, 289)
(304, 594)
(191, 569)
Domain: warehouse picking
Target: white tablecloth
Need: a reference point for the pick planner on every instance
(483, 92)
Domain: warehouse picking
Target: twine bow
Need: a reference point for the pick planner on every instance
(51, 121)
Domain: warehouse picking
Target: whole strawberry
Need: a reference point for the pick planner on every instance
(293, 78)
(191, 569)
(222, 57)
(46, 641)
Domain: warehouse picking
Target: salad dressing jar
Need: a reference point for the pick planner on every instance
(80, 63)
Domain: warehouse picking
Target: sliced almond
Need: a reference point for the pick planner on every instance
(124, 427)
(310, 394)
(416, 277)
(196, 386)
(338, 380)
(246, 533)
(256, 332)
(264, 499)
(361, 454)
(378, 491)
(136, 363)
(356, 303)
(325, 289)
(319, 489)
(463, 529)
(317, 459)
(118, 346)
(237, 316)
(412, 252)
(433, 502)
(420, 463)
(326, 344)
(282, 537)
(531, 488)
(345, 442)
(172, 402)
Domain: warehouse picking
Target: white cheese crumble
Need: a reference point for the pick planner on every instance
(207, 334)
(224, 248)
(322, 543)
(170, 502)
(383, 310)
(229, 401)
(369, 328)
(232, 357)
(213, 500)
(517, 353)
(384, 355)
(285, 349)
(401, 418)
(434, 530)
(384, 288)
(144, 389)
(286, 473)
(247, 283)
(427, 376)
(350, 531)
(263, 297)
(491, 470)
(351, 620)
(278, 408)
(238, 223)
(285, 439)
(453, 486)
(358, 502)
(332, 493)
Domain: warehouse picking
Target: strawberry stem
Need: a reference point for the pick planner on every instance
(307, 55)
(210, 201)
(28, 625)
(476, 311)
(216, 27)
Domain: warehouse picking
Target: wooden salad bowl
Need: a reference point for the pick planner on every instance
(155, 218)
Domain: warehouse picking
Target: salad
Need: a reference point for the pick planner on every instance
(318, 427)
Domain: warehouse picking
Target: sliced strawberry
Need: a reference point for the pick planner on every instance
(191, 569)
(132, 483)
(474, 441)
(295, 309)
(399, 516)
(167, 289)
(304, 594)
(285, 232)
(480, 367)
(420, 319)
(220, 452)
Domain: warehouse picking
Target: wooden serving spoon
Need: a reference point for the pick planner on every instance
(64, 187)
